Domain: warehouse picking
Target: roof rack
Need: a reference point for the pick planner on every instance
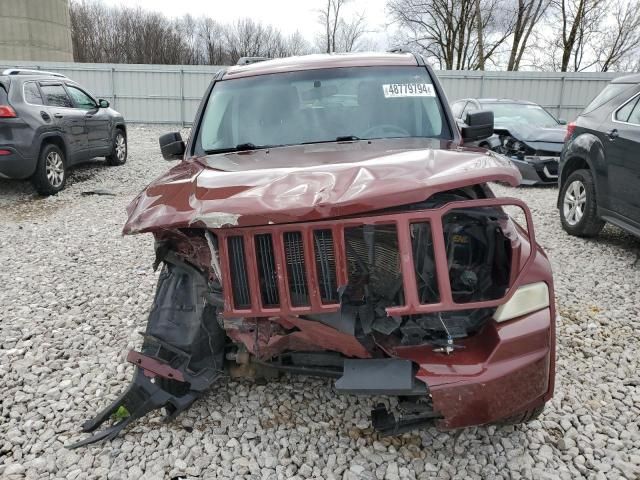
(250, 60)
(399, 50)
(26, 71)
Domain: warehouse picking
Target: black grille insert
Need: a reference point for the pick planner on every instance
(296, 269)
(325, 265)
(424, 263)
(267, 274)
(238, 267)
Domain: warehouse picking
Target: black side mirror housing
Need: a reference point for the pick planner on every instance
(478, 126)
(172, 146)
(102, 103)
(562, 121)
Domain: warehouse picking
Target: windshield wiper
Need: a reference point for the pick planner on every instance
(241, 147)
(347, 138)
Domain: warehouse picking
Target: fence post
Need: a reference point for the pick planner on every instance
(481, 86)
(561, 98)
(182, 97)
(113, 85)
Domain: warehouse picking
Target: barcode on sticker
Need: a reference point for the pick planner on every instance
(408, 90)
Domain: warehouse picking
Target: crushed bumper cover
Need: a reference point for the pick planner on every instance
(182, 353)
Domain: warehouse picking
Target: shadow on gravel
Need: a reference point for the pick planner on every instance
(617, 238)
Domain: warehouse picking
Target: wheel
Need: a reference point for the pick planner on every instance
(578, 208)
(119, 155)
(522, 417)
(51, 172)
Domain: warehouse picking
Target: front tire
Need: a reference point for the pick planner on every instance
(578, 207)
(51, 172)
(120, 150)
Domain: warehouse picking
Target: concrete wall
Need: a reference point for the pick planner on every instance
(35, 30)
(172, 93)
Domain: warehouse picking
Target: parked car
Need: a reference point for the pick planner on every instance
(525, 132)
(599, 167)
(324, 219)
(49, 123)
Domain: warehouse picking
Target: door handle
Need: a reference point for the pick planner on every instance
(612, 134)
(45, 116)
(57, 115)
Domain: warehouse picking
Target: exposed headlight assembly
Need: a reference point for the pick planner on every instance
(527, 299)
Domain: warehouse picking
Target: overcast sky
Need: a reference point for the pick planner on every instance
(287, 15)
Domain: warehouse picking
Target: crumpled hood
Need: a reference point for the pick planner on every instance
(318, 182)
(529, 133)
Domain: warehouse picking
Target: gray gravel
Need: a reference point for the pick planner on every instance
(75, 292)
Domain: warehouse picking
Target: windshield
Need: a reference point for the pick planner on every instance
(321, 106)
(514, 113)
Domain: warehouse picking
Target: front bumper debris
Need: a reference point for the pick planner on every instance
(182, 353)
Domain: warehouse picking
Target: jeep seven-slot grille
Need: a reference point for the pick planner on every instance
(280, 270)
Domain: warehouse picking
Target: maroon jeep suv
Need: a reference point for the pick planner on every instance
(325, 219)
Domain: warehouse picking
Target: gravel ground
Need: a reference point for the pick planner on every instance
(75, 292)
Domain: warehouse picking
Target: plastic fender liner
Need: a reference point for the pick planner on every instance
(182, 354)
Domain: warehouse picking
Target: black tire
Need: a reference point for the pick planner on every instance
(588, 224)
(522, 417)
(51, 173)
(117, 158)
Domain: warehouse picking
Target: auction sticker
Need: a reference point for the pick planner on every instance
(392, 90)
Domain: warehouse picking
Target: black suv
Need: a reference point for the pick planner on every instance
(49, 123)
(599, 167)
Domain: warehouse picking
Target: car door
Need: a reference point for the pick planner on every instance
(96, 121)
(621, 145)
(68, 120)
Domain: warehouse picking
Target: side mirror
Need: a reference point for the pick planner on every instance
(478, 126)
(562, 121)
(102, 103)
(172, 146)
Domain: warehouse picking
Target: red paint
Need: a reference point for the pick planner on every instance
(402, 222)
(318, 182)
(504, 369)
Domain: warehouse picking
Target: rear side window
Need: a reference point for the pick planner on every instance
(629, 112)
(32, 94)
(610, 91)
(56, 96)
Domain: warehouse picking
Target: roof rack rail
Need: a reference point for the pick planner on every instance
(399, 50)
(250, 60)
(26, 71)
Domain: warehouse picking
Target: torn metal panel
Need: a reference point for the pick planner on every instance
(268, 338)
(260, 188)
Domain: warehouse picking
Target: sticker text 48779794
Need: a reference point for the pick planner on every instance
(408, 90)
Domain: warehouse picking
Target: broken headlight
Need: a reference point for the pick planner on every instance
(527, 299)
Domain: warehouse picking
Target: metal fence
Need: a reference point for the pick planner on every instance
(171, 93)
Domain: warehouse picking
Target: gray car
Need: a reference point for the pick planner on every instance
(525, 132)
(49, 123)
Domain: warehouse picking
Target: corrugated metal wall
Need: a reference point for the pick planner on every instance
(171, 93)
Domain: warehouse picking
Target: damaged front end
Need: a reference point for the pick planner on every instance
(422, 302)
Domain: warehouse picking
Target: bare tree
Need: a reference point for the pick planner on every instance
(127, 35)
(341, 32)
(528, 14)
(622, 37)
(447, 30)
(579, 22)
